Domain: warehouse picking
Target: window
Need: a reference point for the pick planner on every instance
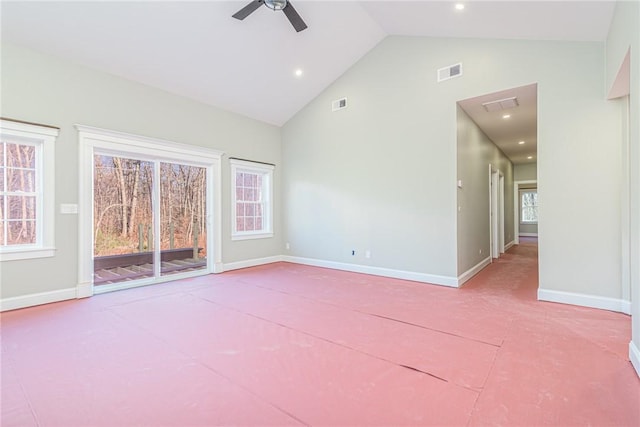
(252, 204)
(26, 190)
(529, 207)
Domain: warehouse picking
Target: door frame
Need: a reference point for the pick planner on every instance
(516, 207)
(496, 212)
(93, 139)
(500, 212)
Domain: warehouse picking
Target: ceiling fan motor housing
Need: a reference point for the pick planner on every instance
(275, 4)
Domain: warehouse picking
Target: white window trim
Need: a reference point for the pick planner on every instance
(522, 191)
(44, 137)
(252, 167)
(94, 140)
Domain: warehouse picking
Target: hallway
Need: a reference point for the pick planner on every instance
(558, 364)
(287, 344)
(514, 274)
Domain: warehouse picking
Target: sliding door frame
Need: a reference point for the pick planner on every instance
(100, 141)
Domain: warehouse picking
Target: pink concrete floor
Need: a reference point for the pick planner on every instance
(285, 344)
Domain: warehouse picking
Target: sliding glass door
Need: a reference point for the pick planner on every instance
(123, 219)
(136, 239)
(183, 213)
(149, 211)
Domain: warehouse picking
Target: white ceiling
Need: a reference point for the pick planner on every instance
(533, 20)
(197, 50)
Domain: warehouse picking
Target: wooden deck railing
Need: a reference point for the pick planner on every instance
(140, 258)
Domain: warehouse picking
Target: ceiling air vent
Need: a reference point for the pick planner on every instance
(339, 104)
(450, 72)
(501, 104)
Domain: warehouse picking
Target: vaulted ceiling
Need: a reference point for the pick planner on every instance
(197, 50)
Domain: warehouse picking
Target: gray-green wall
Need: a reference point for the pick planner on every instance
(39, 88)
(525, 172)
(377, 175)
(624, 35)
(475, 153)
(381, 174)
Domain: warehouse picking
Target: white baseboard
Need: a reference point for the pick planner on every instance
(30, 300)
(634, 356)
(376, 271)
(626, 307)
(474, 270)
(218, 267)
(251, 263)
(528, 234)
(593, 301)
(84, 290)
(508, 245)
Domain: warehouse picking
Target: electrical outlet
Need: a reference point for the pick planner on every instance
(353, 252)
(367, 254)
(480, 251)
(287, 246)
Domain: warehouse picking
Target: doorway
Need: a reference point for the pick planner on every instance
(137, 239)
(496, 214)
(525, 208)
(151, 211)
(496, 134)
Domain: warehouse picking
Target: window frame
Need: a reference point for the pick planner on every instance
(266, 171)
(522, 193)
(43, 138)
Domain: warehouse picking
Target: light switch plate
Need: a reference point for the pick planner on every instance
(68, 208)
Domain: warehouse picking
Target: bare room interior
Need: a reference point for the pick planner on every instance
(319, 213)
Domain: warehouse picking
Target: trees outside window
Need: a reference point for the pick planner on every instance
(529, 207)
(26, 190)
(18, 204)
(252, 205)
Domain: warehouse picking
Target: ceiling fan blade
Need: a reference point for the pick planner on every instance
(293, 17)
(248, 9)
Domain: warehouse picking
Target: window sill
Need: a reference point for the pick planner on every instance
(251, 236)
(528, 223)
(26, 253)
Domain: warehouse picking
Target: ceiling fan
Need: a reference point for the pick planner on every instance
(283, 5)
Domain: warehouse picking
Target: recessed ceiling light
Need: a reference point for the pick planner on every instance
(459, 6)
(521, 142)
(506, 116)
(529, 157)
(298, 72)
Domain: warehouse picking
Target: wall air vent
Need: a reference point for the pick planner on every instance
(450, 72)
(339, 104)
